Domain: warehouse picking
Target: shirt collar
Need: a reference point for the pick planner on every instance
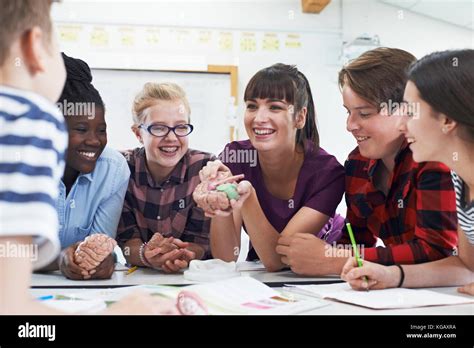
(88, 176)
(372, 164)
(144, 177)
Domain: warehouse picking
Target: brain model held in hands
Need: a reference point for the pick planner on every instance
(216, 194)
(93, 250)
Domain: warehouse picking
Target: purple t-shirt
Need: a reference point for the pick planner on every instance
(320, 183)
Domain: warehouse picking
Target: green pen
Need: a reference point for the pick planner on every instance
(356, 251)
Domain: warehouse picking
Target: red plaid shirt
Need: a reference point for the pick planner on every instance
(416, 220)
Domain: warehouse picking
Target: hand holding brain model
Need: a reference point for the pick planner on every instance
(93, 250)
(219, 191)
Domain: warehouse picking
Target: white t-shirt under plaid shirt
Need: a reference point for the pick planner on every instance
(33, 140)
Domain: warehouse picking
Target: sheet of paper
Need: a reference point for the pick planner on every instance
(319, 291)
(116, 294)
(77, 306)
(240, 295)
(382, 299)
(246, 295)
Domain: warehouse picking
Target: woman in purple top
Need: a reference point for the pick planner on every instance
(292, 185)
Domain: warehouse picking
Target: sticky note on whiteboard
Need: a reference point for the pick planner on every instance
(271, 42)
(99, 37)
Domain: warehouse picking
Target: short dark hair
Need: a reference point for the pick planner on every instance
(445, 80)
(286, 82)
(378, 75)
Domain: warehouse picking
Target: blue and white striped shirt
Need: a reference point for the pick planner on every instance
(465, 210)
(33, 140)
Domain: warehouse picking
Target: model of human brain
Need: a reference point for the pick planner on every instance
(93, 250)
(216, 194)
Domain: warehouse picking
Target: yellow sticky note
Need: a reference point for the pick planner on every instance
(204, 36)
(152, 36)
(293, 41)
(226, 41)
(127, 36)
(99, 37)
(271, 42)
(248, 42)
(69, 33)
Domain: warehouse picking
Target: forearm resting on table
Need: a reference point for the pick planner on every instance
(450, 271)
(131, 252)
(224, 240)
(263, 235)
(306, 220)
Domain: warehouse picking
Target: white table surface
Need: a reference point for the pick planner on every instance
(154, 277)
(54, 283)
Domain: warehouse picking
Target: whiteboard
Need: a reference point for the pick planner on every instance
(208, 95)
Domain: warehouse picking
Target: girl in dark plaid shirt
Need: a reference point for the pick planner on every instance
(161, 226)
(441, 86)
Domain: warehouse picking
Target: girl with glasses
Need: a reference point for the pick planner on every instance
(161, 226)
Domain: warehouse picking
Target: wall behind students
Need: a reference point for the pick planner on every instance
(315, 42)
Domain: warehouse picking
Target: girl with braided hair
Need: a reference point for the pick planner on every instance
(93, 186)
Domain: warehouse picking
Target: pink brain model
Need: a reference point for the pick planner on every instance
(216, 194)
(93, 250)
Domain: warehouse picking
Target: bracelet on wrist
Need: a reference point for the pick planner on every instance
(141, 254)
(402, 276)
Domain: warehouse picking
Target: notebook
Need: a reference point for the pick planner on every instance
(380, 299)
(246, 295)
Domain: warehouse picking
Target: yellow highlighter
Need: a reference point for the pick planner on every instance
(356, 251)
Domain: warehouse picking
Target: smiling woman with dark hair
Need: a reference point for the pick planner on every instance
(95, 179)
(294, 188)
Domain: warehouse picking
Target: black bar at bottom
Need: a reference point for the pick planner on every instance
(242, 330)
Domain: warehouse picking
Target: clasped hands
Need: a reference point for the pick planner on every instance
(168, 253)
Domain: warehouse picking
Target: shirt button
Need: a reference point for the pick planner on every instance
(158, 217)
